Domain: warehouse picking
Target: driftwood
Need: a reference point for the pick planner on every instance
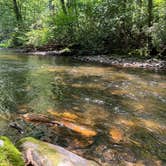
(64, 52)
(16, 126)
(85, 131)
(39, 118)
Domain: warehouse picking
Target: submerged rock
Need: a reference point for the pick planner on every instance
(38, 153)
(116, 134)
(9, 154)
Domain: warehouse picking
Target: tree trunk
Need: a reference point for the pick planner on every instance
(150, 19)
(17, 11)
(73, 5)
(150, 12)
(63, 6)
(50, 5)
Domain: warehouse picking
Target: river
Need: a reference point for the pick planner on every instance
(126, 107)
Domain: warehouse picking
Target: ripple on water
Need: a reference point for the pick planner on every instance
(125, 107)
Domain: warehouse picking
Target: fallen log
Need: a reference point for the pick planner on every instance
(37, 118)
(63, 52)
(65, 115)
(81, 129)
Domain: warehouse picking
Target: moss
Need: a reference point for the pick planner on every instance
(43, 149)
(66, 50)
(9, 154)
(54, 154)
(27, 139)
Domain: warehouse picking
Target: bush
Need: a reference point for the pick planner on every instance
(38, 37)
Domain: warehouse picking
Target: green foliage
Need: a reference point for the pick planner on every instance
(9, 155)
(38, 37)
(141, 52)
(158, 30)
(63, 30)
(96, 25)
(6, 43)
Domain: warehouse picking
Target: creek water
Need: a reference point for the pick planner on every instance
(126, 107)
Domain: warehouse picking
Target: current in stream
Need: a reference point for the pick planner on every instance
(126, 107)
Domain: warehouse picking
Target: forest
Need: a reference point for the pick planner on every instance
(82, 82)
(134, 28)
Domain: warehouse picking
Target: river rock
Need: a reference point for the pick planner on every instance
(9, 154)
(39, 153)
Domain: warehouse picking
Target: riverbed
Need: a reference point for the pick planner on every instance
(126, 107)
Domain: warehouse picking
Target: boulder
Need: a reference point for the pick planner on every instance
(9, 154)
(39, 153)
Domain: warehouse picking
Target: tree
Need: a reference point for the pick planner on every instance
(150, 12)
(63, 6)
(97, 25)
(17, 11)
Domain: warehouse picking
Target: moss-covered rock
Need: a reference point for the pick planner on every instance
(45, 154)
(9, 154)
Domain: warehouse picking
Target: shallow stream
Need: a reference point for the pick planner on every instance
(126, 107)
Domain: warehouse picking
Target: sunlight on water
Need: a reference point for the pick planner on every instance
(112, 115)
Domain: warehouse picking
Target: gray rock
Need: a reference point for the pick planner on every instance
(40, 153)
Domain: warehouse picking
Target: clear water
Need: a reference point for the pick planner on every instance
(126, 107)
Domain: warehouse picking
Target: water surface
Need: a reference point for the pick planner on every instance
(126, 107)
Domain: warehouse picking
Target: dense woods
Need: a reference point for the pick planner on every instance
(100, 26)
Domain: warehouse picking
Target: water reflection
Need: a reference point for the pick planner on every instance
(126, 108)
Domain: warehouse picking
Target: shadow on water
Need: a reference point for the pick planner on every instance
(125, 107)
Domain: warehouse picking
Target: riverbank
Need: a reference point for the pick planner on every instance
(109, 60)
(128, 62)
